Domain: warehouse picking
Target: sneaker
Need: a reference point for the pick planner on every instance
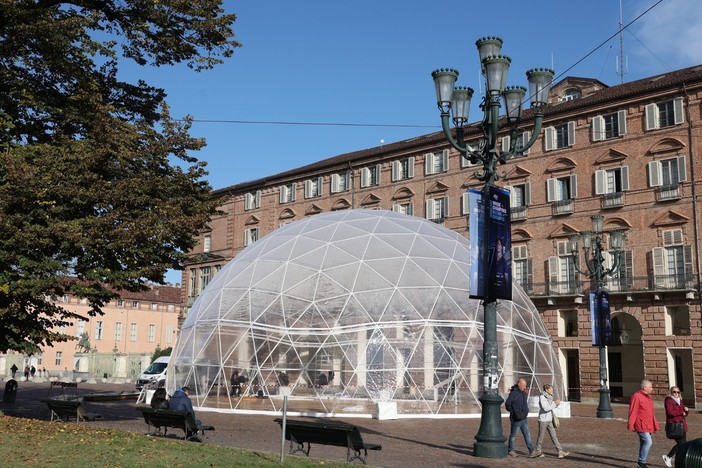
(563, 454)
(512, 453)
(668, 461)
(536, 454)
(641, 465)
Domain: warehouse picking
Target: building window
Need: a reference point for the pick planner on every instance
(80, 328)
(252, 200)
(519, 200)
(521, 140)
(313, 188)
(612, 180)
(570, 94)
(120, 303)
(192, 283)
(132, 332)
(664, 114)
(250, 236)
(437, 209)
(677, 321)
(59, 357)
(169, 334)
(370, 176)
(568, 323)
(560, 136)
(205, 273)
(561, 271)
(404, 208)
(287, 193)
(522, 267)
(340, 182)
(403, 169)
(435, 163)
(207, 243)
(672, 263)
(135, 304)
(152, 333)
(608, 126)
(562, 188)
(667, 172)
(118, 331)
(98, 330)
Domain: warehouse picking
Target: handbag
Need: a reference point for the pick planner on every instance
(555, 420)
(674, 430)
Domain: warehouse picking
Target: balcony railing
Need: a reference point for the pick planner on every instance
(519, 213)
(562, 207)
(624, 284)
(669, 192)
(613, 200)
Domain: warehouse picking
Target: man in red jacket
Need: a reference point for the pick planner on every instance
(642, 420)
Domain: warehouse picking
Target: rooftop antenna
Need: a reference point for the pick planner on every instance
(622, 68)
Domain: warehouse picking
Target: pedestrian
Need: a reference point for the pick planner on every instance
(547, 403)
(642, 420)
(675, 414)
(32, 371)
(26, 372)
(14, 370)
(518, 406)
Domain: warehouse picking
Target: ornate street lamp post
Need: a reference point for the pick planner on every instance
(451, 100)
(592, 240)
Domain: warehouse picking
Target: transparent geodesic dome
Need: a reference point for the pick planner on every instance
(343, 310)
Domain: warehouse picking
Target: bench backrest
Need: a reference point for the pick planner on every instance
(169, 418)
(64, 408)
(323, 432)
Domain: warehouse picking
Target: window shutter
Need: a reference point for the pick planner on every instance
(573, 186)
(308, 188)
(510, 189)
(651, 116)
(504, 142)
(527, 194)
(396, 208)
(678, 110)
(550, 190)
(655, 174)
(549, 138)
(571, 133)
(247, 201)
(627, 269)
(282, 198)
(446, 208)
(334, 183)
(445, 160)
(553, 264)
(377, 174)
(320, 186)
(621, 117)
(530, 274)
(687, 260)
(257, 200)
(365, 177)
(293, 189)
(429, 209)
(597, 128)
(607, 259)
(682, 170)
(465, 204)
(410, 167)
(659, 268)
(625, 178)
(428, 163)
(600, 182)
(563, 248)
(526, 136)
(395, 170)
(672, 237)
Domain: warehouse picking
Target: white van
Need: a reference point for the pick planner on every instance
(155, 373)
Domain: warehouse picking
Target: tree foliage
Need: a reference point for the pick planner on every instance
(98, 189)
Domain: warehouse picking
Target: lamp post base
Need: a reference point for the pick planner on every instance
(490, 439)
(604, 409)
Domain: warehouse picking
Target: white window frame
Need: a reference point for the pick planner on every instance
(252, 201)
(551, 140)
(99, 329)
(522, 139)
(118, 331)
(152, 333)
(206, 244)
(251, 235)
(400, 172)
(133, 329)
(653, 120)
(599, 132)
(287, 193)
(655, 171)
(552, 188)
(169, 334)
(406, 208)
(340, 182)
(205, 277)
(435, 207)
(621, 174)
(314, 187)
(59, 358)
(513, 200)
(370, 176)
(432, 160)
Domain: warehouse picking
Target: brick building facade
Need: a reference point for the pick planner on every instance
(627, 152)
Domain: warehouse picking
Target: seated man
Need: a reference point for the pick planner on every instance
(180, 401)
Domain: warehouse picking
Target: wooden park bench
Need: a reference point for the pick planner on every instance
(161, 418)
(335, 433)
(65, 410)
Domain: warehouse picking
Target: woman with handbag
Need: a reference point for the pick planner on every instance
(548, 422)
(675, 422)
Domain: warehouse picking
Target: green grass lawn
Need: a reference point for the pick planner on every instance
(29, 442)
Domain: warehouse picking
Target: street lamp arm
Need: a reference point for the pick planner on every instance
(576, 263)
(466, 150)
(615, 265)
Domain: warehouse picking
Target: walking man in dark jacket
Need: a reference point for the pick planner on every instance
(518, 406)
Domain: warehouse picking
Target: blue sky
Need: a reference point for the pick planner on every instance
(369, 63)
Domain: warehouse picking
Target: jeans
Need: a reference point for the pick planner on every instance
(517, 426)
(645, 442)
